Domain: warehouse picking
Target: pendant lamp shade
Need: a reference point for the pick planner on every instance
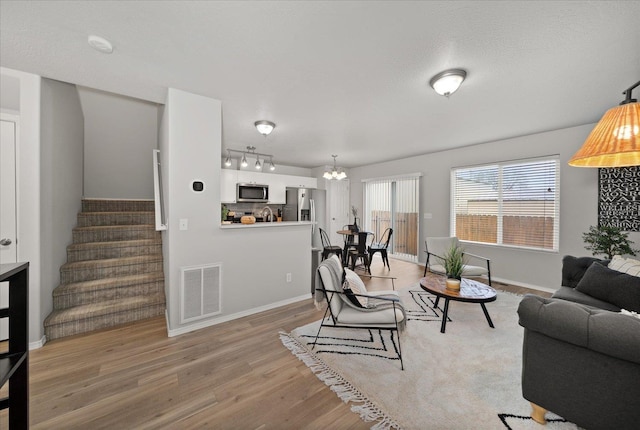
(615, 140)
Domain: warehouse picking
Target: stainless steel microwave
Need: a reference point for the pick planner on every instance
(252, 193)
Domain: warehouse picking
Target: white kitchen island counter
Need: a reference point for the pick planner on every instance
(265, 224)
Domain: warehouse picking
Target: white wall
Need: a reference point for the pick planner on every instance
(117, 125)
(28, 191)
(62, 140)
(578, 199)
(254, 261)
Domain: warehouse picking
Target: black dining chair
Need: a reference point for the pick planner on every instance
(327, 248)
(381, 246)
(360, 251)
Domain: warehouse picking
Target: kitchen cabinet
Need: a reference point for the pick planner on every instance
(248, 177)
(301, 182)
(277, 189)
(228, 180)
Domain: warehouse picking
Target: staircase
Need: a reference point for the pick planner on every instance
(114, 270)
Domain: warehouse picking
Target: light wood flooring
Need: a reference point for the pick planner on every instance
(235, 375)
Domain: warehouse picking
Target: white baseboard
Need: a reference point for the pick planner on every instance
(525, 285)
(38, 344)
(225, 318)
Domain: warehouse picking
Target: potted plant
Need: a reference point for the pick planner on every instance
(454, 262)
(609, 241)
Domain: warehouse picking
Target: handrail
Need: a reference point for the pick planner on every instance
(158, 196)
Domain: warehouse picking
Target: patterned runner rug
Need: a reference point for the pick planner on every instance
(466, 378)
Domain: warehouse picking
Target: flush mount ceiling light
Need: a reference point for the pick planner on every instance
(615, 140)
(100, 44)
(250, 151)
(336, 173)
(447, 82)
(264, 127)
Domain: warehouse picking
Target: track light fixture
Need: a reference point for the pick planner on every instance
(251, 152)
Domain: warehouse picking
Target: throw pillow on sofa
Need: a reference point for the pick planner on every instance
(625, 265)
(615, 287)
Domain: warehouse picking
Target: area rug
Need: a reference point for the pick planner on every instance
(465, 378)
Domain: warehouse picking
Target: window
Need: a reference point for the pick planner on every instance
(393, 202)
(512, 203)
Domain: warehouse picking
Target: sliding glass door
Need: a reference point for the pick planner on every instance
(393, 202)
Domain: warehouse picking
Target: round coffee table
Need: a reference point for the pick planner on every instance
(470, 292)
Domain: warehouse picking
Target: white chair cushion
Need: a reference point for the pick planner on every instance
(474, 270)
(381, 318)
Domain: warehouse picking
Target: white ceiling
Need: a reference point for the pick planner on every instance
(347, 78)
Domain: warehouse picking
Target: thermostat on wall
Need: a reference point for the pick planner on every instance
(197, 186)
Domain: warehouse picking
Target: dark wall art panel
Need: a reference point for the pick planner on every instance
(619, 197)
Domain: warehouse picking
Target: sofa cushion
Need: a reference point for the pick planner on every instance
(625, 265)
(571, 295)
(611, 286)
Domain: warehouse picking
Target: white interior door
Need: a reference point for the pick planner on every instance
(338, 209)
(8, 248)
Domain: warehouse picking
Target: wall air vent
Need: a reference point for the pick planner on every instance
(200, 292)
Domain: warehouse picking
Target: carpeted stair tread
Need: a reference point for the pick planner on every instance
(105, 233)
(111, 262)
(114, 244)
(108, 307)
(86, 219)
(107, 283)
(100, 205)
(113, 249)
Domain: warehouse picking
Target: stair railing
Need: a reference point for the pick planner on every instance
(158, 196)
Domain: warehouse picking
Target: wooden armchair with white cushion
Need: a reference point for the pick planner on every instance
(350, 305)
(436, 248)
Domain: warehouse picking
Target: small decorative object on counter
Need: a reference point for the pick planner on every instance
(248, 219)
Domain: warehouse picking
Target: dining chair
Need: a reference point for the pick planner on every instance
(360, 251)
(327, 248)
(381, 246)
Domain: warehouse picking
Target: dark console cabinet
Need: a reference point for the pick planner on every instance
(14, 364)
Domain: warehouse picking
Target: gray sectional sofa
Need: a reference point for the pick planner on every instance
(581, 356)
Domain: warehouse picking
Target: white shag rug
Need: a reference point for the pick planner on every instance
(466, 378)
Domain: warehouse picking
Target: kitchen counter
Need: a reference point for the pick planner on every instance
(265, 225)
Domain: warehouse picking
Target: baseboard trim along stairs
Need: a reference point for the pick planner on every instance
(114, 269)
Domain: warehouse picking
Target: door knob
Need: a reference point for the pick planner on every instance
(5, 242)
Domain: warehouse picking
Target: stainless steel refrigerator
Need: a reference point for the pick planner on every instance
(305, 204)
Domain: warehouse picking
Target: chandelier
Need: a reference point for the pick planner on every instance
(336, 173)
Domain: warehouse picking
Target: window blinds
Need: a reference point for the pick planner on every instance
(512, 203)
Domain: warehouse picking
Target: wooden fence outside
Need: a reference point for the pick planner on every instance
(405, 230)
(530, 231)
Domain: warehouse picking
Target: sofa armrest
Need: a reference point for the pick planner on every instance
(606, 332)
